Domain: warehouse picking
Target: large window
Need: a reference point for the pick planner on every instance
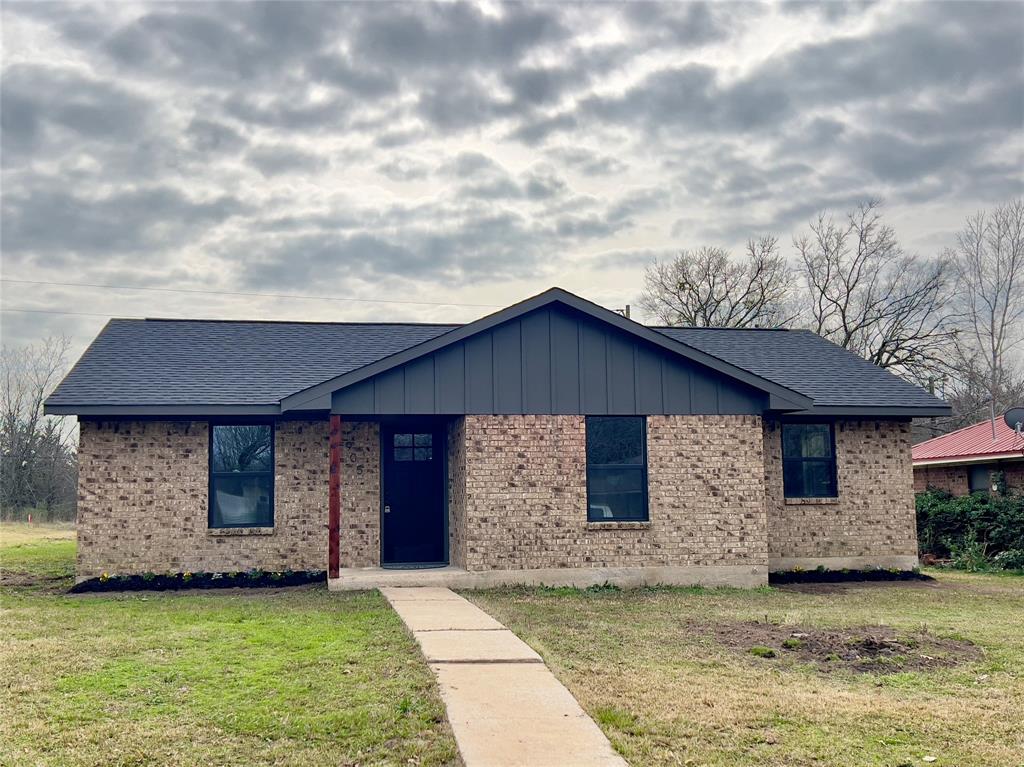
(616, 469)
(242, 476)
(808, 460)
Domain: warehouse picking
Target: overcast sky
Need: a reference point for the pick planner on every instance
(472, 153)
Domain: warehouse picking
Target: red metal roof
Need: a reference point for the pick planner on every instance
(971, 442)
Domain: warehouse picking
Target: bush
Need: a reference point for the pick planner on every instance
(977, 531)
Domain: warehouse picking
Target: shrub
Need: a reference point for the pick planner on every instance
(974, 529)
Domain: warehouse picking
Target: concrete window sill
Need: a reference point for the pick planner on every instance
(240, 531)
(811, 501)
(618, 525)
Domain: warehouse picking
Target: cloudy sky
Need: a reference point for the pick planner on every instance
(472, 154)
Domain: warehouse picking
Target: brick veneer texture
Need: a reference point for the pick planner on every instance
(524, 505)
(952, 479)
(874, 515)
(143, 501)
(359, 536)
(457, 492)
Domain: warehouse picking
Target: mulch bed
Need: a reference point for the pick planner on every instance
(844, 576)
(180, 581)
(865, 649)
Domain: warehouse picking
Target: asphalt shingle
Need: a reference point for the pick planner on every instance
(199, 362)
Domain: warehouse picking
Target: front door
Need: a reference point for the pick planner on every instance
(412, 493)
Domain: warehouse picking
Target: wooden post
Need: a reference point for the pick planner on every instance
(334, 500)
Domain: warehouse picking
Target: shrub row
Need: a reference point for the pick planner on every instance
(974, 531)
(174, 581)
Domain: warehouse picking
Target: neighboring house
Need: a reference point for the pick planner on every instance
(551, 442)
(969, 460)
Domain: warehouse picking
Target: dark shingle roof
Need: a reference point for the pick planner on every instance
(183, 362)
(201, 362)
(805, 362)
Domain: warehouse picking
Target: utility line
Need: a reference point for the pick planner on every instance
(5, 310)
(242, 293)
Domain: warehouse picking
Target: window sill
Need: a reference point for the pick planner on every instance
(240, 531)
(622, 525)
(811, 501)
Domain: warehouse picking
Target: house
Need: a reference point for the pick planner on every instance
(969, 460)
(553, 441)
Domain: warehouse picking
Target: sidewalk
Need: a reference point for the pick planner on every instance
(505, 707)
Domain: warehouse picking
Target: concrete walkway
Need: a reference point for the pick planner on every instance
(505, 707)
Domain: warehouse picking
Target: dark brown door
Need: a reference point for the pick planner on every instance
(412, 494)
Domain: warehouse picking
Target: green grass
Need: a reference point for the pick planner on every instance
(650, 668)
(240, 677)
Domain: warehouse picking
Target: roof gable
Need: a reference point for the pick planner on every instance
(319, 396)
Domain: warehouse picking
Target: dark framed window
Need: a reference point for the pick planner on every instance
(414, 447)
(979, 479)
(616, 468)
(809, 460)
(241, 475)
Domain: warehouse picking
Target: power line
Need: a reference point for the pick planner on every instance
(51, 311)
(243, 293)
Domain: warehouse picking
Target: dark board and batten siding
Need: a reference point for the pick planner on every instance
(550, 361)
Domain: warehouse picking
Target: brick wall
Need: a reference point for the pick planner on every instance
(952, 479)
(143, 501)
(359, 536)
(525, 495)
(457, 492)
(874, 515)
(955, 479)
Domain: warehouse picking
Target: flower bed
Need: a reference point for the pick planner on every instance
(187, 580)
(822, 575)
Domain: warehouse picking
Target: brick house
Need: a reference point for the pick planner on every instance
(970, 460)
(551, 442)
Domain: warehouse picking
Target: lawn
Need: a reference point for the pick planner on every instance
(240, 677)
(877, 674)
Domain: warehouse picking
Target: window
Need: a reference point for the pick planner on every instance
(414, 447)
(808, 460)
(979, 479)
(242, 476)
(616, 469)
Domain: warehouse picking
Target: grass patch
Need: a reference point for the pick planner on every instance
(286, 677)
(659, 672)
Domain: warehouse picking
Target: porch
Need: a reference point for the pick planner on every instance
(452, 577)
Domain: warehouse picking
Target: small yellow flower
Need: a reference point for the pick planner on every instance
(104, 577)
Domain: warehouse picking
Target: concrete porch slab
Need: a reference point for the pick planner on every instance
(744, 576)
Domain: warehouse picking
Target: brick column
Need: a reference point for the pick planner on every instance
(334, 496)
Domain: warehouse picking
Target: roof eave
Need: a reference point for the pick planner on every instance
(964, 460)
(870, 411)
(197, 410)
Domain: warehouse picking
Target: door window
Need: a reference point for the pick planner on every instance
(414, 447)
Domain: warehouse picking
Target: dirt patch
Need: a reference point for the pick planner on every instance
(46, 583)
(841, 588)
(865, 649)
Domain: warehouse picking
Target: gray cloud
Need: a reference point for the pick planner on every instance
(52, 221)
(278, 159)
(439, 146)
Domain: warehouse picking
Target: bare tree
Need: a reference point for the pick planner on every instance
(866, 294)
(989, 261)
(37, 461)
(707, 288)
